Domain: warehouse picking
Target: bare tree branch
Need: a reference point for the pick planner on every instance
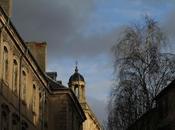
(142, 71)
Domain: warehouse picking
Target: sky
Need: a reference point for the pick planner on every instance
(85, 31)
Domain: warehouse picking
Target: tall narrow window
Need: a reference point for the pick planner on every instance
(34, 104)
(76, 91)
(15, 76)
(4, 121)
(24, 125)
(15, 122)
(23, 86)
(34, 98)
(5, 64)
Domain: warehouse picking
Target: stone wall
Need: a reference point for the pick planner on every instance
(63, 114)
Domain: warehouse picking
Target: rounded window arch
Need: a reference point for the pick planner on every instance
(4, 117)
(15, 121)
(83, 91)
(24, 125)
(4, 121)
(76, 91)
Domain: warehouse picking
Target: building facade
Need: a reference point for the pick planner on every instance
(30, 98)
(64, 110)
(77, 84)
(23, 85)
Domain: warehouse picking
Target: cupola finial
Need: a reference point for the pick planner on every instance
(76, 66)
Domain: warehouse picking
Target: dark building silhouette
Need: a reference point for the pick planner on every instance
(162, 117)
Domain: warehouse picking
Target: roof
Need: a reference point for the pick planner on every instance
(57, 88)
(53, 84)
(148, 115)
(76, 76)
(166, 89)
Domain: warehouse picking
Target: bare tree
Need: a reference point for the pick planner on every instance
(142, 72)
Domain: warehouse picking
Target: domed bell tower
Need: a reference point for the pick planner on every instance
(77, 84)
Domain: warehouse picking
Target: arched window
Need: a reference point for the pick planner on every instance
(15, 76)
(24, 125)
(15, 122)
(23, 85)
(4, 117)
(4, 121)
(76, 91)
(82, 92)
(5, 63)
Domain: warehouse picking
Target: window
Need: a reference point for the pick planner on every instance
(15, 122)
(76, 91)
(4, 121)
(23, 85)
(4, 117)
(15, 76)
(34, 98)
(34, 104)
(5, 64)
(83, 92)
(24, 125)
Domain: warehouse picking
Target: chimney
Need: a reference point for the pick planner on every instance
(7, 6)
(39, 52)
(52, 75)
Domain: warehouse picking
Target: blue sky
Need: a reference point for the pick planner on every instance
(84, 31)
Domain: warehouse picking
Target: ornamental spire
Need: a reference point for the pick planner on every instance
(76, 67)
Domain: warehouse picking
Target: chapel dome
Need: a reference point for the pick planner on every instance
(76, 76)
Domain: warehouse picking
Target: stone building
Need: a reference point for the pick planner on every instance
(77, 84)
(162, 117)
(64, 110)
(30, 98)
(23, 84)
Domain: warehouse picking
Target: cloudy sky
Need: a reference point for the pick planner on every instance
(85, 30)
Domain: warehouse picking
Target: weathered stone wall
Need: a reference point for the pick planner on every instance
(91, 123)
(62, 113)
(57, 109)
